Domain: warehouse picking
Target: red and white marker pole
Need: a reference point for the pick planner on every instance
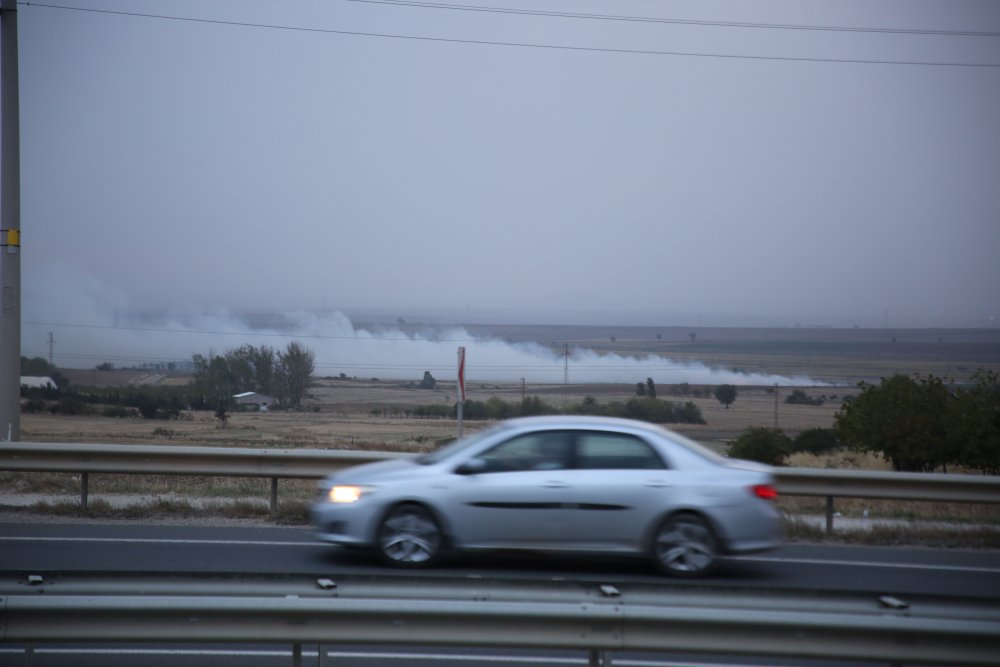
(461, 386)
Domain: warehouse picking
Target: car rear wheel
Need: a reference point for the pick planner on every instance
(409, 536)
(685, 546)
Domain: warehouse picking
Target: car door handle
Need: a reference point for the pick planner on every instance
(556, 484)
(658, 483)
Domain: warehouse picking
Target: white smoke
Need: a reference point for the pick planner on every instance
(92, 324)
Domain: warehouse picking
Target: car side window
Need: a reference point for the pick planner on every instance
(543, 450)
(615, 451)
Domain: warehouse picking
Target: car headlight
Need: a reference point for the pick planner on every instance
(346, 493)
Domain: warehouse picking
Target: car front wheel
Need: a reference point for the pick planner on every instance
(685, 546)
(409, 536)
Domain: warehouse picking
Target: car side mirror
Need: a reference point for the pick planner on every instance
(473, 466)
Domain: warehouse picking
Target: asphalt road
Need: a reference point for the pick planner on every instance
(818, 570)
(28, 548)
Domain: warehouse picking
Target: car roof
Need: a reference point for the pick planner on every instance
(582, 421)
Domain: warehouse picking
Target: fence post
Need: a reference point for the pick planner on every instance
(829, 515)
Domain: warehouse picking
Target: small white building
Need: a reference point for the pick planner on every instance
(32, 382)
(252, 398)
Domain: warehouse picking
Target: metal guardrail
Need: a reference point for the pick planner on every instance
(86, 459)
(588, 617)
(937, 487)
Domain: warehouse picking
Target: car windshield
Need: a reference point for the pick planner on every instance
(441, 454)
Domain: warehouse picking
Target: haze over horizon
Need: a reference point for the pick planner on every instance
(833, 164)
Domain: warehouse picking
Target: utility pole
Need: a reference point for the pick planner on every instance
(10, 227)
(523, 389)
(565, 375)
(52, 341)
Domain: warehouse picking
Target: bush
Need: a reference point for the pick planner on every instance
(764, 445)
(119, 411)
(799, 397)
(33, 405)
(815, 441)
(70, 405)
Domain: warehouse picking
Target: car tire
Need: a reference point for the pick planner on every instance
(409, 536)
(685, 546)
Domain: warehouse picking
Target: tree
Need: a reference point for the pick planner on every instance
(765, 445)
(212, 377)
(428, 382)
(903, 419)
(293, 374)
(285, 375)
(640, 389)
(36, 367)
(650, 388)
(221, 413)
(975, 421)
(725, 394)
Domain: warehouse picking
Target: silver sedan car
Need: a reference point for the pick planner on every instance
(560, 484)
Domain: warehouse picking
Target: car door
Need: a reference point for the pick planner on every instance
(620, 485)
(514, 494)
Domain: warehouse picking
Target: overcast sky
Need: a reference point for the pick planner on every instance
(389, 157)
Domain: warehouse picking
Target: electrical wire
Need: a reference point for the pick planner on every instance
(526, 45)
(698, 22)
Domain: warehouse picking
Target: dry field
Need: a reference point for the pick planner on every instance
(339, 415)
(369, 415)
(339, 412)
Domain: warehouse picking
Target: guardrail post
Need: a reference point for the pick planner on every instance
(274, 496)
(84, 489)
(829, 515)
(599, 658)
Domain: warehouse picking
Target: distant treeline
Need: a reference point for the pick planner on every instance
(144, 402)
(644, 409)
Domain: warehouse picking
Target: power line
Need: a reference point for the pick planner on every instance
(698, 22)
(527, 45)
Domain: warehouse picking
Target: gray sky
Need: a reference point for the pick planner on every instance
(183, 166)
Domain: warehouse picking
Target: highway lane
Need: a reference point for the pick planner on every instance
(124, 548)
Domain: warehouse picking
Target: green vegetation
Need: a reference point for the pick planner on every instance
(641, 408)
(799, 397)
(428, 382)
(39, 367)
(816, 441)
(922, 424)
(765, 445)
(283, 375)
(725, 394)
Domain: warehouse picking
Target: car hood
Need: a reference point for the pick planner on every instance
(379, 471)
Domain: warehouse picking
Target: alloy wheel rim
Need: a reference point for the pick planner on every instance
(409, 537)
(685, 547)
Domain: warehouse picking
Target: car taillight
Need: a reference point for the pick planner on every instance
(765, 491)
